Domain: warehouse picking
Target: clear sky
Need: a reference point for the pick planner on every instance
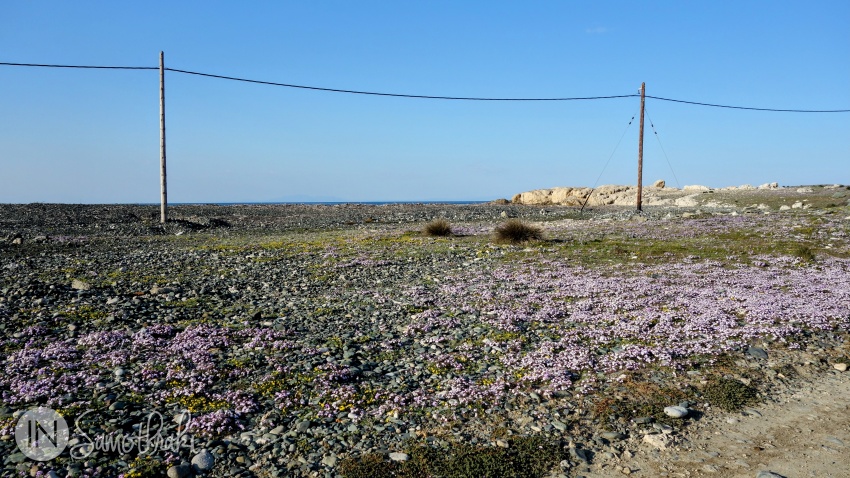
(92, 136)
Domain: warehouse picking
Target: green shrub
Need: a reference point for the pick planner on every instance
(515, 231)
(438, 227)
(526, 457)
(804, 252)
(729, 394)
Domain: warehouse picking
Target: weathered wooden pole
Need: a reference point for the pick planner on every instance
(640, 148)
(162, 182)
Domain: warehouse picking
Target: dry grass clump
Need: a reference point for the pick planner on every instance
(438, 227)
(515, 231)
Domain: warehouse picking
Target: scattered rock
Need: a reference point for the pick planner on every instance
(398, 456)
(179, 471)
(696, 188)
(757, 352)
(78, 284)
(203, 461)
(658, 441)
(676, 411)
(659, 184)
(840, 366)
(329, 460)
(768, 474)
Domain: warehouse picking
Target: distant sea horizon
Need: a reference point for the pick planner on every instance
(324, 203)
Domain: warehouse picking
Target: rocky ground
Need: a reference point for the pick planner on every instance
(304, 340)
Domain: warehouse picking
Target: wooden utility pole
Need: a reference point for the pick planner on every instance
(163, 202)
(640, 148)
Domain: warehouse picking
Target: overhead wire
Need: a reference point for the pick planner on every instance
(397, 95)
(83, 66)
(429, 97)
(606, 163)
(651, 124)
(748, 107)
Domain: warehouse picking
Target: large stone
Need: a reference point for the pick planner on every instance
(203, 461)
(657, 441)
(398, 456)
(676, 411)
(80, 285)
(696, 187)
(659, 184)
(179, 471)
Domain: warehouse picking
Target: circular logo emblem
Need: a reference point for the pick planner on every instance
(41, 434)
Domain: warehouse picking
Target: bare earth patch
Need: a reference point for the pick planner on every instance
(805, 432)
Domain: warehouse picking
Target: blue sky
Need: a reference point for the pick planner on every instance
(87, 136)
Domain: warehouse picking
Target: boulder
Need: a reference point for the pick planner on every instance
(659, 184)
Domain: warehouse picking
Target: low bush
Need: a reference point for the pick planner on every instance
(438, 227)
(729, 394)
(515, 231)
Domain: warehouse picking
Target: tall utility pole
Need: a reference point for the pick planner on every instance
(640, 148)
(163, 200)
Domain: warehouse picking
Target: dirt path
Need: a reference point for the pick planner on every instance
(804, 432)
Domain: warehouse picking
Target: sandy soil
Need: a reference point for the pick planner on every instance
(804, 432)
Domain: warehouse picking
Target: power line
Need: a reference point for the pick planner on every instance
(606, 163)
(428, 97)
(662, 149)
(397, 95)
(84, 66)
(747, 107)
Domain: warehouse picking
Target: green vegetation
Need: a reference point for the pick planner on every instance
(729, 394)
(525, 457)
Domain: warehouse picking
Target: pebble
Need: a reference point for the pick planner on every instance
(676, 411)
(613, 436)
(768, 474)
(841, 367)
(203, 461)
(179, 471)
(398, 456)
(302, 426)
(77, 284)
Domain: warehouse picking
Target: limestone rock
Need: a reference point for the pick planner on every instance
(696, 188)
(659, 184)
(657, 441)
(80, 285)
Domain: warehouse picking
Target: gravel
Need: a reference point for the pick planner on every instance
(298, 336)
